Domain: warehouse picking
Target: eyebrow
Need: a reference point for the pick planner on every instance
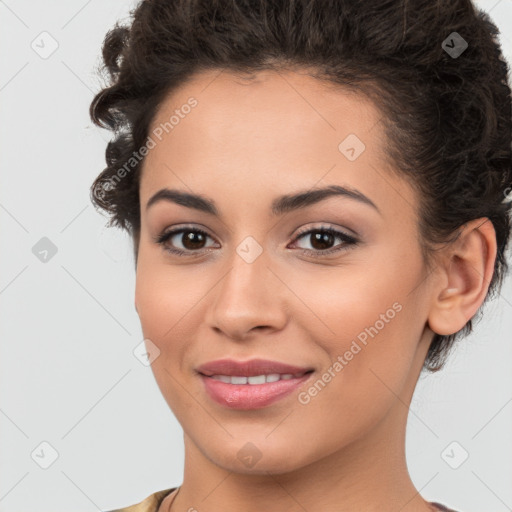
(281, 205)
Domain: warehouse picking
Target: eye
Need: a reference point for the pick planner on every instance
(191, 240)
(322, 238)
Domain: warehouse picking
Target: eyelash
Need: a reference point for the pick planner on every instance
(350, 241)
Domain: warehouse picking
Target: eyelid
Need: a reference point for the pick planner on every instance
(167, 233)
(181, 227)
(348, 241)
(326, 227)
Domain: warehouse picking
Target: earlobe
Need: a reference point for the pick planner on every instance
(467, 269)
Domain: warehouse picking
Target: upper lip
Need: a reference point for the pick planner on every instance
(249, 368)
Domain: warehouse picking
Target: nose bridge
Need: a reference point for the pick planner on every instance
(248, 296)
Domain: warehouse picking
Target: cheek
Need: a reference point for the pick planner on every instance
(152, 297)
(369, 356)
(341, 303)
(171, 307)
(165, 312)
(371, 317)
(164, 307)
(165, 294)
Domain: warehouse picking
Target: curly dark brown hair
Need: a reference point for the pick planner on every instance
(447, 115)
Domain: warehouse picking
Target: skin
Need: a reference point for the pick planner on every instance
(243, 145)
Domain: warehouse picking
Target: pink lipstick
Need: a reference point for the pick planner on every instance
(252, 384)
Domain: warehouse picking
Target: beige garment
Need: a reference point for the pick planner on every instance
(150, 504)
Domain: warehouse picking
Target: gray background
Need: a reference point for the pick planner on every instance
(68, 374)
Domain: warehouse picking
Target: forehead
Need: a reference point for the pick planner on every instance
(277, 130)
(230, 107)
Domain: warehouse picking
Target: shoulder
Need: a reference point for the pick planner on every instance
(149, 504)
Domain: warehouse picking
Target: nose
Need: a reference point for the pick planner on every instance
(248, 298)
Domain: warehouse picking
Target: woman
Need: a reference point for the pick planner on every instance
(318, 198)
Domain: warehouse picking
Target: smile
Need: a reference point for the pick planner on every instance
(256, 379)
(254, 392)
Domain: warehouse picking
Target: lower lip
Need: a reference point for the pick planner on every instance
(250, 396)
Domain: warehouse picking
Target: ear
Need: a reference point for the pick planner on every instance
(466, 270)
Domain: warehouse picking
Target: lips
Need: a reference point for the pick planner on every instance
(251, 368)
(253, 384)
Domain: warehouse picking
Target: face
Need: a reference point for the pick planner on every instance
(333, 283)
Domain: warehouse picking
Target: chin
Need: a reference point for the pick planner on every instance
(256, 458)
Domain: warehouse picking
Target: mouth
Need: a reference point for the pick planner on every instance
(252, 384)
(255, 380)
(252, 368)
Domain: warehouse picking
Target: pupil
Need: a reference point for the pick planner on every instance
(324, 239)
(192, 239)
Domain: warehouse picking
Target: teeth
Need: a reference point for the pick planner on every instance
(256, 379)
